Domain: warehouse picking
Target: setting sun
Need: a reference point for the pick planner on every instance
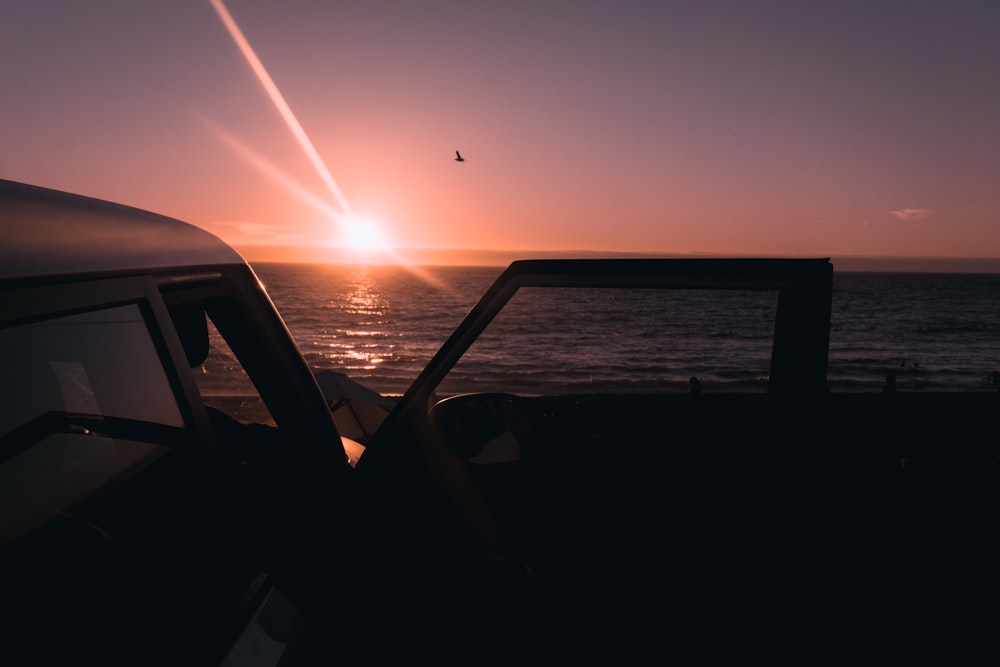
(363, 234)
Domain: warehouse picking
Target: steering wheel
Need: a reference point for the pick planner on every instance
(482, 428)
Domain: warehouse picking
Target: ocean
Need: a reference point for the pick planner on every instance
(380, 325)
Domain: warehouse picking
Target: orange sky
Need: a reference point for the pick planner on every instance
(761, 128)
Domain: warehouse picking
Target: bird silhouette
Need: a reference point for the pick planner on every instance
(458, 157)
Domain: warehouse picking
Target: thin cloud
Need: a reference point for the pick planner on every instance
(260, 233)
(910, 214)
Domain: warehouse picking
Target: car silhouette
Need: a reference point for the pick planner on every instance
(174, 489)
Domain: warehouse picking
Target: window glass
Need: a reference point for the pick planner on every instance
(79, 394)
(610, 340)
(100, 363)
(225, 385)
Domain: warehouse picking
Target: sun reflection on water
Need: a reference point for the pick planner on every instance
(364, 343)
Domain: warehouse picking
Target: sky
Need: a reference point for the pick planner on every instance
(747, 127)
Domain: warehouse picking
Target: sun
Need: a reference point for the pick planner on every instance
(363, 234)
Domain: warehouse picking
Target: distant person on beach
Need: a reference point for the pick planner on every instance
(890, 383)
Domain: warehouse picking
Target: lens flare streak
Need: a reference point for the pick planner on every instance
(346, 218)
(272, 171)
(280, 104)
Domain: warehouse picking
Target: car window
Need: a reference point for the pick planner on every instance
(611, 340)
(85, 400)
(225, 385)
(260, 396)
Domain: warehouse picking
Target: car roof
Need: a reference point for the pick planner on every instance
(48, 232)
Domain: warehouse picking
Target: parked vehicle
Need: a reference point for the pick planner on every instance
(174, 488)
(154, 408)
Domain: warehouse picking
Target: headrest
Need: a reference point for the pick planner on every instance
(192, 327)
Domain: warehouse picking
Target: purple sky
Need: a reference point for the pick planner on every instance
(744, 127)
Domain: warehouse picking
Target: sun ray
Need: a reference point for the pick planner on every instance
(346, 216)
(269, 169)
(281, 105)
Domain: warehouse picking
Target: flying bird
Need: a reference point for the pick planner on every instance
(458, 157)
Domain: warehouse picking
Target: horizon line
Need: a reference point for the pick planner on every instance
(424, 256)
